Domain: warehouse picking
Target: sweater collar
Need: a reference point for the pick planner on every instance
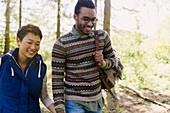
(77, 35)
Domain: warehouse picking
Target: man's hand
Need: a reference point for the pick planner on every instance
(98, 58)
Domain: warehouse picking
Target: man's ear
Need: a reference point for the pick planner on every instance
(18, 41)
(75, 17)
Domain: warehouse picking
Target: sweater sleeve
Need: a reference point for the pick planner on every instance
(109, 53)
(58, 69)
(45, 98)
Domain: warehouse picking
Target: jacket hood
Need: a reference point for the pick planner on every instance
(14, 54)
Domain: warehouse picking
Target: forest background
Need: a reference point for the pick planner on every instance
(140, 33)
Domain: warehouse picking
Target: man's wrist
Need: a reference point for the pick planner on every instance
(103, 64)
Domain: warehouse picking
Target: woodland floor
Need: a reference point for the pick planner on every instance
(129, 102)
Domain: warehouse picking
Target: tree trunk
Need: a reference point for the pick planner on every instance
(20, 13)
(58, 20)
(107, 14)
(96, 14)
(106, 25)
(7, 29)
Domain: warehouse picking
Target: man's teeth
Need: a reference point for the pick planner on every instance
(88, 28)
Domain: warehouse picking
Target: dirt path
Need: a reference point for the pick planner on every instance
(128, 102)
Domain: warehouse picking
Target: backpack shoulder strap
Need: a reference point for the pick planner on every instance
(100, 71)
(3, 59)
(96, 39)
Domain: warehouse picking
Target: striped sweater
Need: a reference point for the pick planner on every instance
(74, 72)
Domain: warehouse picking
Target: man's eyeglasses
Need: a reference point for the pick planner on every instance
(87, 19)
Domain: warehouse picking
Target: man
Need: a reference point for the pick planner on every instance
(75, 78)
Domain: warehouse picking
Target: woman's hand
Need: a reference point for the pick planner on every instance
(60, 112)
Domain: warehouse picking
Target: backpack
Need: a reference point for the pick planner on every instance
(109, 76)
(3, 59)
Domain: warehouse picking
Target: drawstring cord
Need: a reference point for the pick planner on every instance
(39, 75)
(0, 61)
(12, 71)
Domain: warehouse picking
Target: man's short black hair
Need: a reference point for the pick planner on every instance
(83, 3)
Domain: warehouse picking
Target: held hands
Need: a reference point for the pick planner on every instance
(98, 56)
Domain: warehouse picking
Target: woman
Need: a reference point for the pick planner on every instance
(23, 75)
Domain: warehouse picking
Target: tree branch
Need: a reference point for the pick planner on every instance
(145, 98)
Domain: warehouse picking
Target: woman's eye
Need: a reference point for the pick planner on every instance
(37, 44)
(29, 42)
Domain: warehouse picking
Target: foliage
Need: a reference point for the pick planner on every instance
(1, 45)
(146, 60)
(13, 43)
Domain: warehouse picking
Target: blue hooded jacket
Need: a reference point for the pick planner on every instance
(20, 91)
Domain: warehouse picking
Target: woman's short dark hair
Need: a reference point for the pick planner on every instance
(29, 28)
(83, 3)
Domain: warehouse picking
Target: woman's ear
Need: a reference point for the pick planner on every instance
(18, 41)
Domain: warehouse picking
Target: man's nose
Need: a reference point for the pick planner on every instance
(90, 23)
